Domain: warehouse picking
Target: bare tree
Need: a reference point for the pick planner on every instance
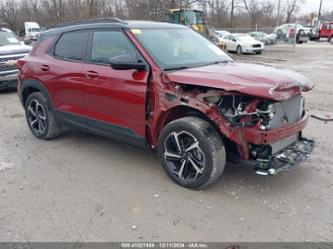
(258, 10)
(220, 13)
(293, 6)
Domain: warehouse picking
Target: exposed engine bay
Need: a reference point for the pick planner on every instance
(244, 111)
(268, 159)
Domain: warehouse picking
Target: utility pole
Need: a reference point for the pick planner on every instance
(278, 14)
(232, 13)
(319, 13)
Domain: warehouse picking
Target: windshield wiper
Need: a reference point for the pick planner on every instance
(176, 68)
(214, 63)
(184, 67)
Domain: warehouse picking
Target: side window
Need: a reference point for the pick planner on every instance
(107, 44)
(71, 46)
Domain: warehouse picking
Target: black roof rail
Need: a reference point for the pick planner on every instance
(97, 20)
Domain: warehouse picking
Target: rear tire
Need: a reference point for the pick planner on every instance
(330, 38)
(191, 152)
(40, 117)
(239, 50)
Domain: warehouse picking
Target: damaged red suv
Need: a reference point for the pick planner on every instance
(164, 86)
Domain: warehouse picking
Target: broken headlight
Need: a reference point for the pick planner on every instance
(247, 111)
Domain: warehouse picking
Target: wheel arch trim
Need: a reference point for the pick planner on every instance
(180, 111)
(34, 84)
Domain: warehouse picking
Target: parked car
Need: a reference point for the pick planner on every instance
(217, 38)
(288, 32)
(164, 86)
(267, 39)
(11, 49)
(217, 41)
(243, 43)
(325, 30)
(221, 33)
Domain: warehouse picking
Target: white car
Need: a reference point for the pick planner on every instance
(287, 31)
(221, 33)
(243, 43)
(217, 36)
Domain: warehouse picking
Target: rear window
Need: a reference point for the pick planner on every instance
(71, 46)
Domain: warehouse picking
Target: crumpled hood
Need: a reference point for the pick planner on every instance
(248, 78)
(14, 49)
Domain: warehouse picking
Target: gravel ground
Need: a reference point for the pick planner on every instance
(85, 188)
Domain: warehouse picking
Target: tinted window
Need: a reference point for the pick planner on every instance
(107, 44)
(71, 46)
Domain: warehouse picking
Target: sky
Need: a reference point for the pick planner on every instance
(313, 6)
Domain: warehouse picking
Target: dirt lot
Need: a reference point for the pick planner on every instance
(86, 188)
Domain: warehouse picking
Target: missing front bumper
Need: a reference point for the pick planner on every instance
(284, 160)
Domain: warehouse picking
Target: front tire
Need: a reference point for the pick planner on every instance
(192, 152)
(239, 50)
(40, 118)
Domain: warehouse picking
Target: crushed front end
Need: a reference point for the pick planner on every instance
(267, 133)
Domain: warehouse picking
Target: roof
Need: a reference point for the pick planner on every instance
(113, 23)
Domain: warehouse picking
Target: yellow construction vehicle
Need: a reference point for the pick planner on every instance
(194, 19)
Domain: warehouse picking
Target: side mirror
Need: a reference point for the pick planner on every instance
(234, 40)
(126, 62)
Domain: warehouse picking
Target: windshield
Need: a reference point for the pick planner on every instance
(34, 29)
(7, 38)
(245, 38)
(221, 33)
(200, 17)
(176, 48)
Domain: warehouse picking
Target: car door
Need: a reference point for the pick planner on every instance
(233, 43)
(63, 74)
(227, 42)
(115, 100)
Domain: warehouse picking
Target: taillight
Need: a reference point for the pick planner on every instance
(20, 63)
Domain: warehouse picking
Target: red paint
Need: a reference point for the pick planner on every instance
(292, 33)
(326, 30)
(120, 97)
(116, 96)
(251, 79)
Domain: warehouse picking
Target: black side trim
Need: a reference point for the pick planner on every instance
(71, 120)
(100, 128)
(116, 132)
